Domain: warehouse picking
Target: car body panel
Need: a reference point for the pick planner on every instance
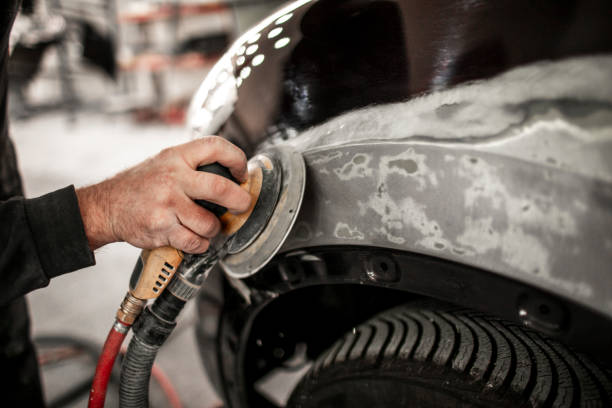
(524, 191)
(469, 142)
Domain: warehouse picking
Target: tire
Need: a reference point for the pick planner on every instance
(438, 356)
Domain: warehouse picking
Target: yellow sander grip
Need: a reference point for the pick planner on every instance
(231, 223)
(159, 266)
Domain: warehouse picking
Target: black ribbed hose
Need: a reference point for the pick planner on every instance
(151, 330)
(136, 373)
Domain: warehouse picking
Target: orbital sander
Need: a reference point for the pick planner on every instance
(247, 242)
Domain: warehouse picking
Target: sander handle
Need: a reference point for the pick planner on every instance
(219, 170)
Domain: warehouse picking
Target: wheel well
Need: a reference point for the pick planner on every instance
(316, 297)
(316, 316)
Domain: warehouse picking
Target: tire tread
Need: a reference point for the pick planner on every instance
(503, 359)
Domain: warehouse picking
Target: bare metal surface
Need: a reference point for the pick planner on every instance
(268, 243)
(512, 175)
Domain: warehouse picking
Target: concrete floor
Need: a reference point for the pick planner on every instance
(54, 153)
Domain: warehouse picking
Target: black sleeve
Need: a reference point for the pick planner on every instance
(40, 238)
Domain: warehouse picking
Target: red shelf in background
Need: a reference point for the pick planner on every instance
(159, 62)
(162, 12)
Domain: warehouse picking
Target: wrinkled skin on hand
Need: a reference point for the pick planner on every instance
(151, 204)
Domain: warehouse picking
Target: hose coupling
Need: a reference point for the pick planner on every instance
(130, 308)
(182, 288)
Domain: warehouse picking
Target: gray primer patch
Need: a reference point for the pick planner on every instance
(302, 231)
(343, 230)
(398, 211)
(486, 188)
(410, 166)
(356, 168)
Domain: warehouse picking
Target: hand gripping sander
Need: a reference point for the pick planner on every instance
(247, 242)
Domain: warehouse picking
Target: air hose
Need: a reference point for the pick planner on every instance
(154, 326)
(151, 331)
(111, 348)
(152, 273)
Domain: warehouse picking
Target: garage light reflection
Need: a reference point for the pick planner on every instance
(284, 18)
(257, 60)
(275, 32)
(281, 43)
(252, 49)
(246, 71)
(240, 60)
(223, 76)
(254, 38)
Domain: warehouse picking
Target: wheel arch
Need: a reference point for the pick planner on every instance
(298, 296)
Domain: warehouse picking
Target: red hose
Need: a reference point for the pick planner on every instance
(115, 337)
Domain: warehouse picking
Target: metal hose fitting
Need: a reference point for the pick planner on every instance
(130, 308)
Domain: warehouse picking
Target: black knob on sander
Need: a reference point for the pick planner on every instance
(215, 168)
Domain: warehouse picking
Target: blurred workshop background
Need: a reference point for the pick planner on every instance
(96, 86)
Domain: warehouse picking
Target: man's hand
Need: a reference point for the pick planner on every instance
(151, 205)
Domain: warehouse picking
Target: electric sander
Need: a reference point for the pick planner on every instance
(247, 242)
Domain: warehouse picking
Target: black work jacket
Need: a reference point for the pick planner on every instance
(40, 238)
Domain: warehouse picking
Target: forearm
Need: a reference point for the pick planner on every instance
(95, 212)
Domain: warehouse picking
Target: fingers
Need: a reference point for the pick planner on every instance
(151, 204)
(197, 219)
(212, 149)
(187, 241)
(216, 189)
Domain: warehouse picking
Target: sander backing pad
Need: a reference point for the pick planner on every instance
(279, 175)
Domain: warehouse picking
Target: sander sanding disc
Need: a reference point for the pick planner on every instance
(252, 250)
